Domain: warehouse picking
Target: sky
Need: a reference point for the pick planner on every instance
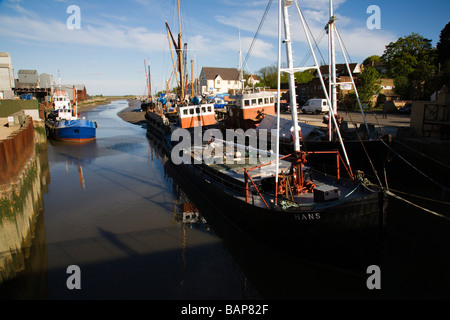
(108, 44)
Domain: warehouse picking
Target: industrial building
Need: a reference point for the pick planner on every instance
(6, 76)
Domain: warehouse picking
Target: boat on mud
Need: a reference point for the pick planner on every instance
(64, 124)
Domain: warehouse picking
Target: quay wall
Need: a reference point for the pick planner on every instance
(24, 175)
(16, 151)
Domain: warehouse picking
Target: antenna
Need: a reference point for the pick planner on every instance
(241, 67)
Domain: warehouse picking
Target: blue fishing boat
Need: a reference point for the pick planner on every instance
(64, 124)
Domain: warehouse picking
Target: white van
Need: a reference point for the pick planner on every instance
(315, 106)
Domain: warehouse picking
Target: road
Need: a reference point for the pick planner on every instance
(376, 118)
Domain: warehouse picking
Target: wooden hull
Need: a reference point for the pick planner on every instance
(346, 234)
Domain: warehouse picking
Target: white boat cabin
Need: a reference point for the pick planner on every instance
(63, 106)
(253, 102)
(192, 115)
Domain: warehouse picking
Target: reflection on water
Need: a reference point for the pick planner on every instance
(122, 228)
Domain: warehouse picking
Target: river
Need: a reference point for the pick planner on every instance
(113, 210)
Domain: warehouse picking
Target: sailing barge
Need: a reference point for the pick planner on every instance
(279, 200)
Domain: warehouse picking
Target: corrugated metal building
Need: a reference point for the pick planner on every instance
(6, 76)
(27, 79)
(45, 80)
(80, 88)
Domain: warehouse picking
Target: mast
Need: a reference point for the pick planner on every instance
(180, 53)
(317, 67)
(332, 69)
(291, 72)
(277, 146)
(147, 78)
(74, 93)
(241, 68)
(149, 83)
(192, 78)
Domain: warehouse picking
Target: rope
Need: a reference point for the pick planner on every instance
(428, 157)
(309, 54)
(364, 148)
(435, 182)
(345, 48)
(257, 31)
(421, 197)
(417, 206)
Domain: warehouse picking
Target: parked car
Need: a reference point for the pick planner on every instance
(316, 106)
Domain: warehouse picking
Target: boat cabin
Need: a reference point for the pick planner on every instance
(60, 100)
(191, 115)
(249, 108)
(62, 106)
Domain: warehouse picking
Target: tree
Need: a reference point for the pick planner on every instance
(443, 46)
(375, 62)
(369, 85)
(402, 57)
(413, 58)
(303, 77)
(269, 77)
(443, 57)
(370, 61)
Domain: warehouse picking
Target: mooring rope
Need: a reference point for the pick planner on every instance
(445, 189)
(422, 154)
(416, 205)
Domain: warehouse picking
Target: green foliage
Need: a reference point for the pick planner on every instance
(411, 62)
(370, 61)
(303, 77)
(402, 57)
(443, 46)
(269, 77)
(369, 85)
(443, 57)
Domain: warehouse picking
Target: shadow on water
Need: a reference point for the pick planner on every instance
(416, 255)
(113, 239)
(274, 274)
(193, 272)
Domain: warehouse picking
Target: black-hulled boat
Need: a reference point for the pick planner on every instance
(284, 203)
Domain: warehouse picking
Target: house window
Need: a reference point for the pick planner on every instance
(218, 81)
(229, 82)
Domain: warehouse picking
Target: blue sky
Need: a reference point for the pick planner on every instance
(107, 52)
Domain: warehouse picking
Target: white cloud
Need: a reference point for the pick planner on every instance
(105, 35)
(359, 41)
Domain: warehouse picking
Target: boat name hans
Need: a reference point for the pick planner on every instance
(308, 216)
